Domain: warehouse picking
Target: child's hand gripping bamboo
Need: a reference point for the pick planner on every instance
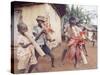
(38, 48)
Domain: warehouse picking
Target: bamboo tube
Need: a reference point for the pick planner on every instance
(34, 43)
(84, 58)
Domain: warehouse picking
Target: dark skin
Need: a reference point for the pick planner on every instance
(72, 23)
(22, 30)
(39, 24)
(25, 46)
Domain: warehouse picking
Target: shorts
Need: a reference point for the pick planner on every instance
(46, 49)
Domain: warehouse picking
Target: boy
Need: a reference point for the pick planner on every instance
(41, 36)
(72, 32)
(25, 50)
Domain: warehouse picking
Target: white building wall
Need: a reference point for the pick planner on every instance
(30, 14)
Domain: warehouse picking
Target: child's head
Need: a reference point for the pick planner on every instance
(72, 21)
(40, 20)
(83, 29)
(22, 28)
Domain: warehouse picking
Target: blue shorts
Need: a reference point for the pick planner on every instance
(46, 49)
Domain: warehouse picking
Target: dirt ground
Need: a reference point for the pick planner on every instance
(59, 66)
(92, 60)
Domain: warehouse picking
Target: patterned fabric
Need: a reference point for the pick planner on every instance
(25, 56)
(73, 49)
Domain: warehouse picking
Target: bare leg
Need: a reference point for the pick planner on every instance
(52, 59)
(63, 54)
(31, 68)
(93, 43)
(75, 61)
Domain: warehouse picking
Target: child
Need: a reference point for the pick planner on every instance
(83, 39)
(49, 34)
(41, 32)
(25, 50)
(74, 53)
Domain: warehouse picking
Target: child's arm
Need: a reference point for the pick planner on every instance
(34, 43)
(24, 46)
(37, 37)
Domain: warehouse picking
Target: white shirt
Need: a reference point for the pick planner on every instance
(37, 30)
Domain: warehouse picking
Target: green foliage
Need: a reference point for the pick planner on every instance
(77, 12)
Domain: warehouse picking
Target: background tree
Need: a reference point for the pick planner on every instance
(77, 12)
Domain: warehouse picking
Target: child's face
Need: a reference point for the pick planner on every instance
(23, 30)
(40, 22)
(73, 22)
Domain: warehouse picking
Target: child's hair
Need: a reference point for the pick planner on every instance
(22, 27)
(71, 19)
(84, 28)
